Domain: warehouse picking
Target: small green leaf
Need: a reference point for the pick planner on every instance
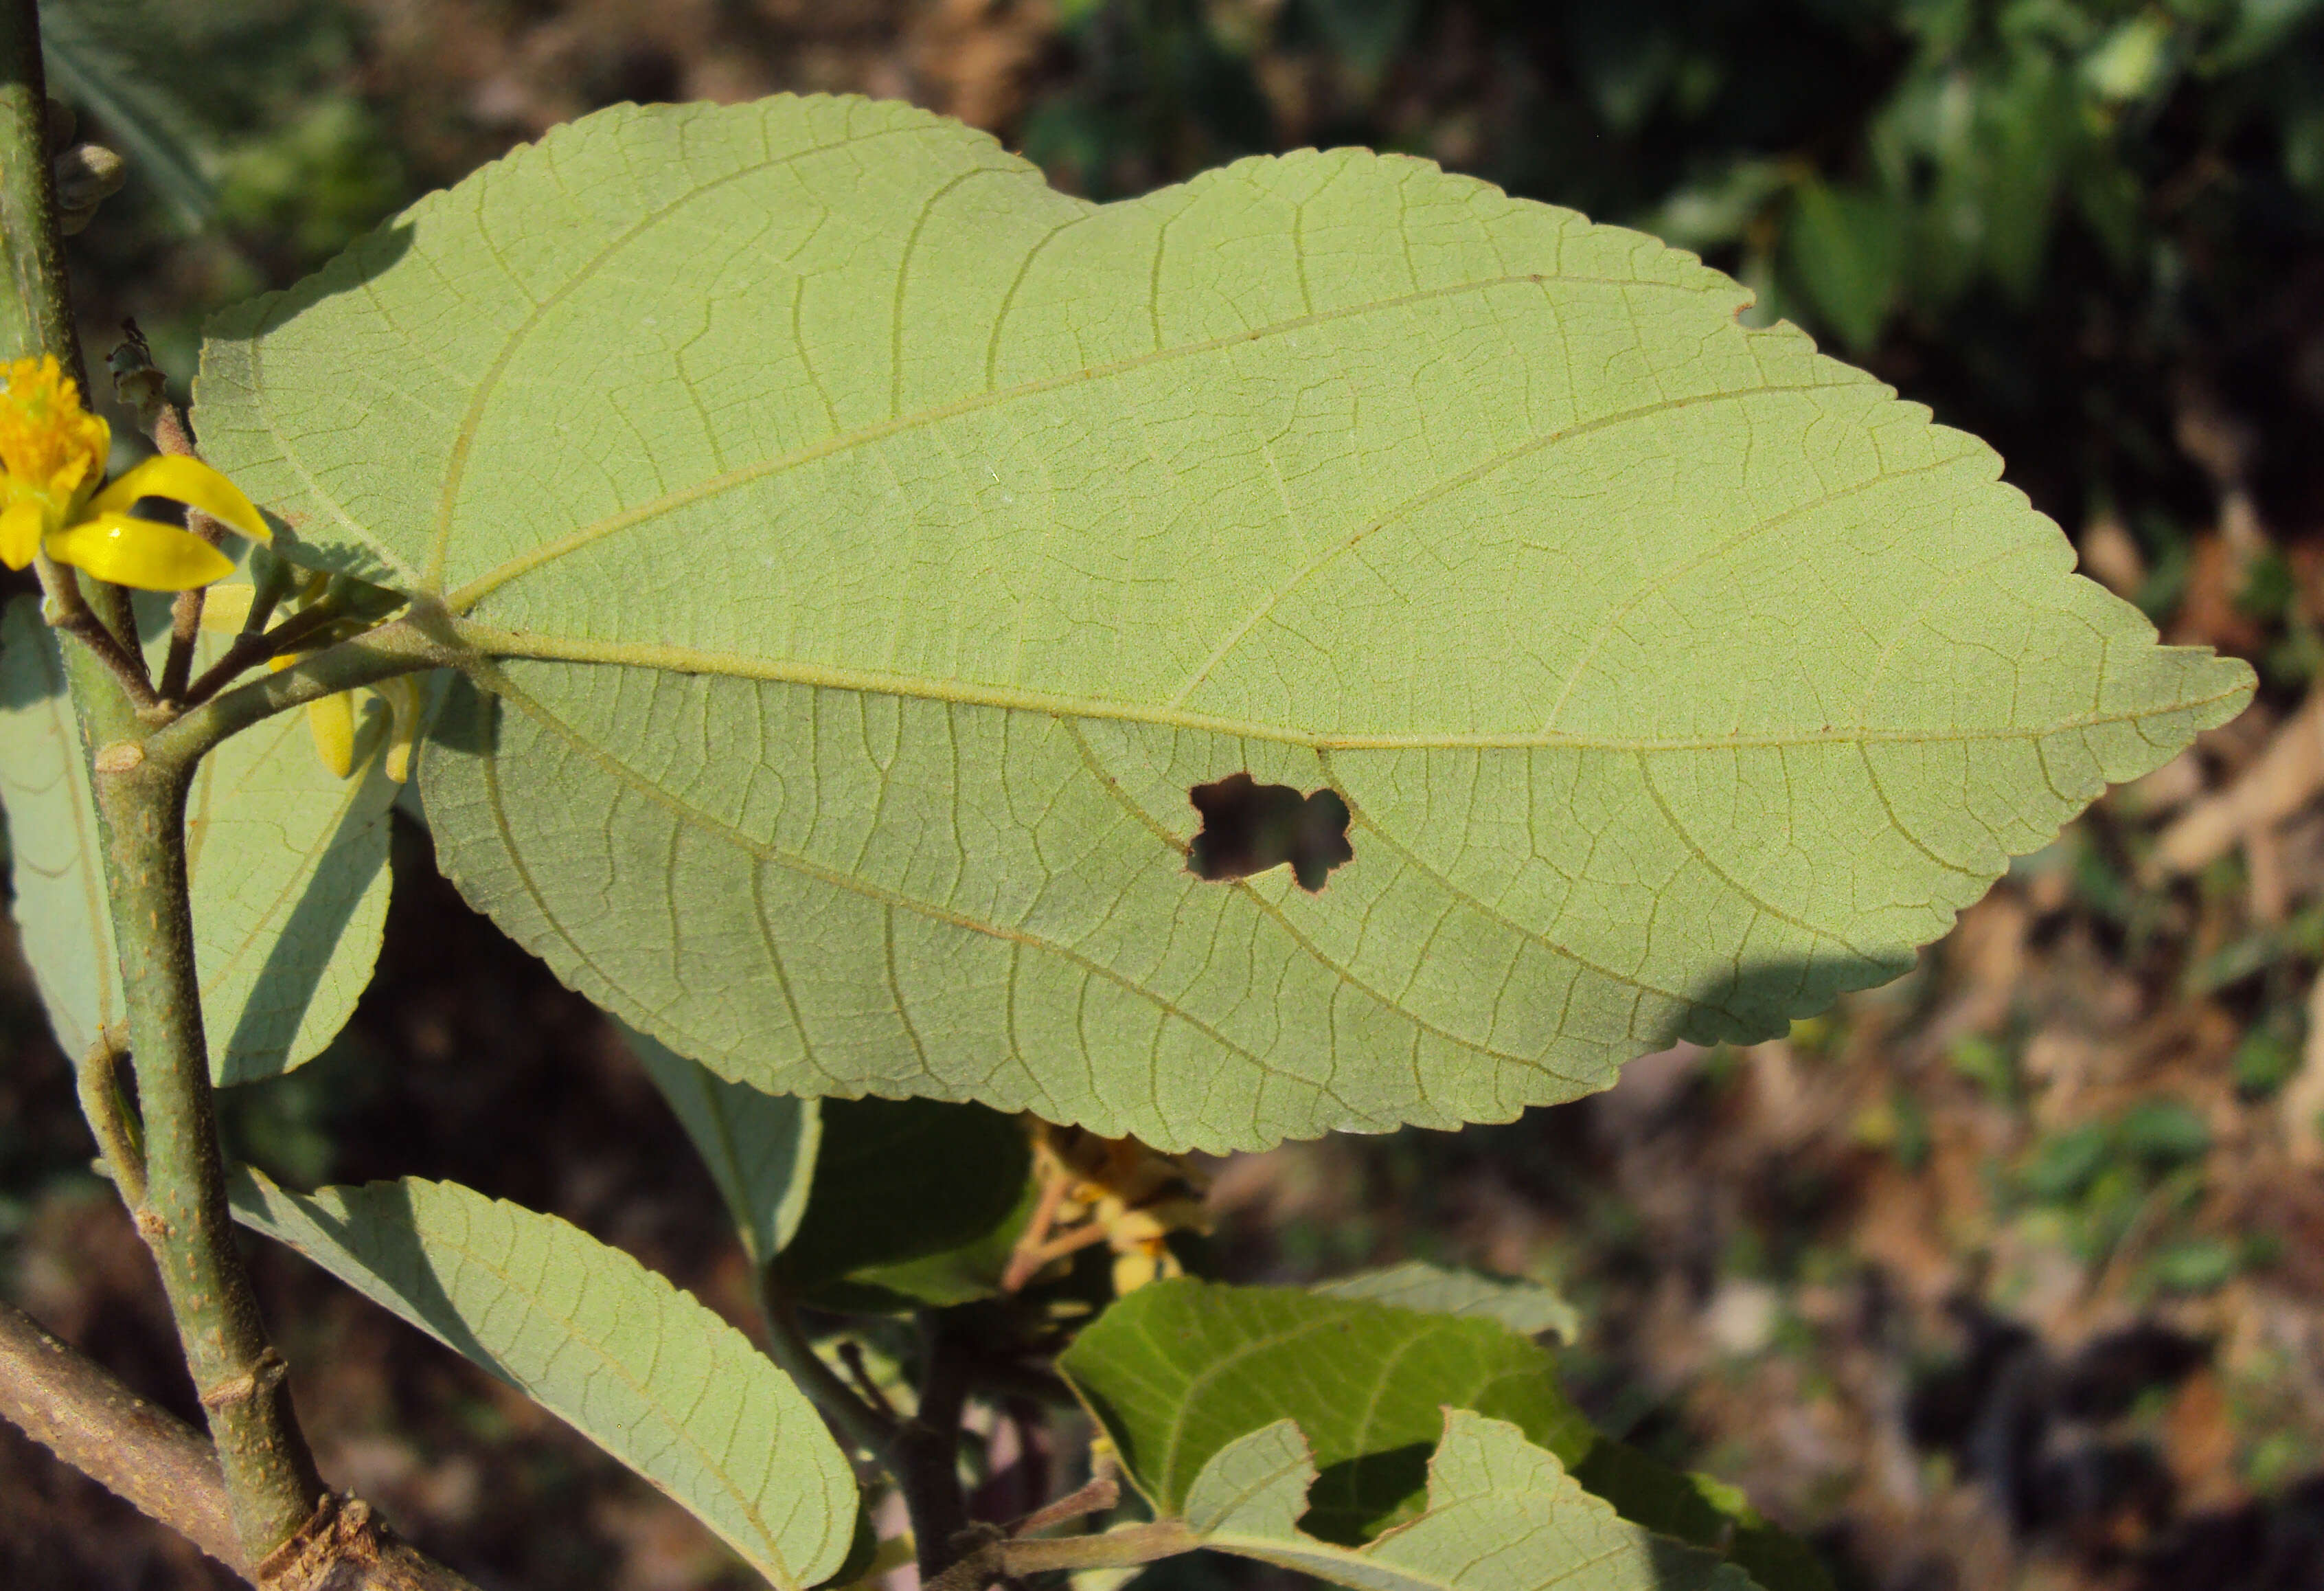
(631, 1362)
(1179, 1369)
(759, 1147)
(904, 1190)
(2163, 1131)
(1526, 1307)
(287, 865)
(1500, 1514)
(62, 918)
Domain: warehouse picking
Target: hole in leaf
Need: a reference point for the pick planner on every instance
(1248, 827)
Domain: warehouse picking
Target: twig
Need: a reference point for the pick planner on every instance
(1021, 1263)
(67, 614)
(270, 1480)
(74, 1408)
(100, 1085)
(138, 382)
(926, 1453)
(1093, 1496)
(404, 647)
(851, 1354)
(1014, 1560)
(185, 627)
(141, 805)
(36, 317)
(249, 649)
(297, 1536)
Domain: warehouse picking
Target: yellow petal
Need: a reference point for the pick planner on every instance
(141, 552)
(188, 481)
(1133, 1271)
(226, 608)
(401, 694)
(20, 533)
(331, 720)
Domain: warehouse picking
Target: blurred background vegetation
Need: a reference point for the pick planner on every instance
(2010, 1275)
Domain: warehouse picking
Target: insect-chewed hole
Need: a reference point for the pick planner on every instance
(1248, 827)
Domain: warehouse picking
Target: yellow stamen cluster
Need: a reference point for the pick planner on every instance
(48, 442)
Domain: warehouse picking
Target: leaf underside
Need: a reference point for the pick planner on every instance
(867, 548)
(288, 865)
(634, 1364)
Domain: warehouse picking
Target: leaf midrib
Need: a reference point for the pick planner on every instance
(490, 640)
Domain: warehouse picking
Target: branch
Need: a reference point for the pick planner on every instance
(36, 317)
(74, 1408)
(1014, 1560)
(141, 810)
(925, 1459)
(253, 647)
(409, 645)
(141, 805)
(851, 1354)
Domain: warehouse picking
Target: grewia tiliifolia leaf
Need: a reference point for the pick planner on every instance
(1248, 827)
(635, 1365)
(866, 548)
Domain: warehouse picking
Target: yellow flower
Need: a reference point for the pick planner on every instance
(1111, 1190)
(52, 455)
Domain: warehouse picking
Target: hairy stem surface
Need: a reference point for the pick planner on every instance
(35, 315)
(141, 803)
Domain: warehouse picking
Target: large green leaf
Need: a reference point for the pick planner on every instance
(287, 865)
(1177, 1370)
(866, 549)
(1502, 1515)
(759, 1147)
(634, 1364)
